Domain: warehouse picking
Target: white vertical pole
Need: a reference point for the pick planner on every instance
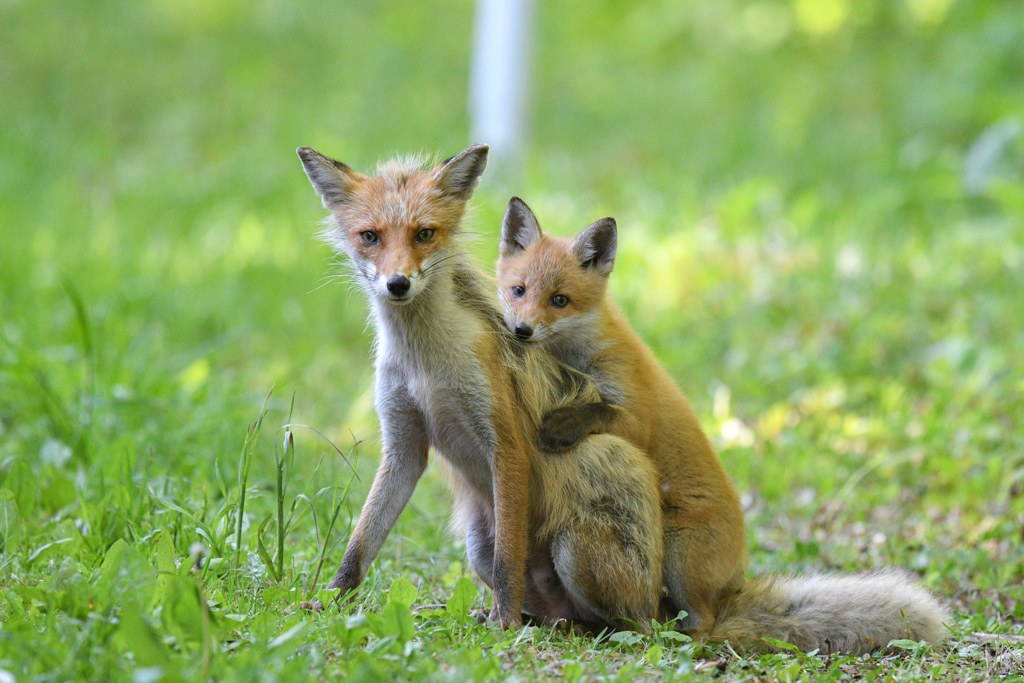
(497, 79)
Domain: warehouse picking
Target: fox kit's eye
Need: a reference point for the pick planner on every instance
(370, 237)
(559, 301)
(518, 291)
(424, 235)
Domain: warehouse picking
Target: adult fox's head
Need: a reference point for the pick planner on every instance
(397, 226)
(552, 287)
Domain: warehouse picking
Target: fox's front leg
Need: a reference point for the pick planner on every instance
(564, 427)
(511, 481)
(403, 459)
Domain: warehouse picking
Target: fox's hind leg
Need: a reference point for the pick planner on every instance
(545, 599)
(609, 552)
(704, 564)
(607, 584)
(477, 521)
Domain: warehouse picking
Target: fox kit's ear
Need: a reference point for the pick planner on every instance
(519, 228)
(333, 181)
(458, 176)
(595, 246)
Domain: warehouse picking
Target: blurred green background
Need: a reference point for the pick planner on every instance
(148, 164)
(804, 191)
(821, 213)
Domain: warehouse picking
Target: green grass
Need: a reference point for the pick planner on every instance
(811, 241)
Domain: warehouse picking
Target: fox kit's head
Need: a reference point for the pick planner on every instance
(398, 225)
(552, 288)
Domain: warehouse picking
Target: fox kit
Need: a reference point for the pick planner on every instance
(556, 542)
(554, 293)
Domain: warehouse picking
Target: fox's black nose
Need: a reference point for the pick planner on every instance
(524, 331)
(398, 285)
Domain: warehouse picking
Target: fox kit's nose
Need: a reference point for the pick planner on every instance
(398, 285)
(524, 331)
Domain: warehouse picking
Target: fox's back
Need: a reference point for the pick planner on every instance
(670, 430)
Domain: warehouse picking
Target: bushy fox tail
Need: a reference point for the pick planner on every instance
(857, 613)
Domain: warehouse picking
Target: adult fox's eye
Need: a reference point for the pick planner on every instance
(370, 237)
(424, 235)
(559, 301)
(518, 291)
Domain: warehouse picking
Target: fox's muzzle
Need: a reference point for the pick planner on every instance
(398, 285)
(398, 288)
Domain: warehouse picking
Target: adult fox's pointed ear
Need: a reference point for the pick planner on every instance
(519, 228)
(458, 175)
(333, 181)
(595, 247)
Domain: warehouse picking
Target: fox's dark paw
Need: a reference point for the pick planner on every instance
(505, 622)
(316, 605)
(560, 430)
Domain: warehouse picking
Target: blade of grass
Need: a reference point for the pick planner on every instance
(245, 462)
(333, 445)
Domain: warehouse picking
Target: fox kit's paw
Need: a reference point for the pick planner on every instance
(561, 429)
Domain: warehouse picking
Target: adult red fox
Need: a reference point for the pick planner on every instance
(576, 537)
(554, 293)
